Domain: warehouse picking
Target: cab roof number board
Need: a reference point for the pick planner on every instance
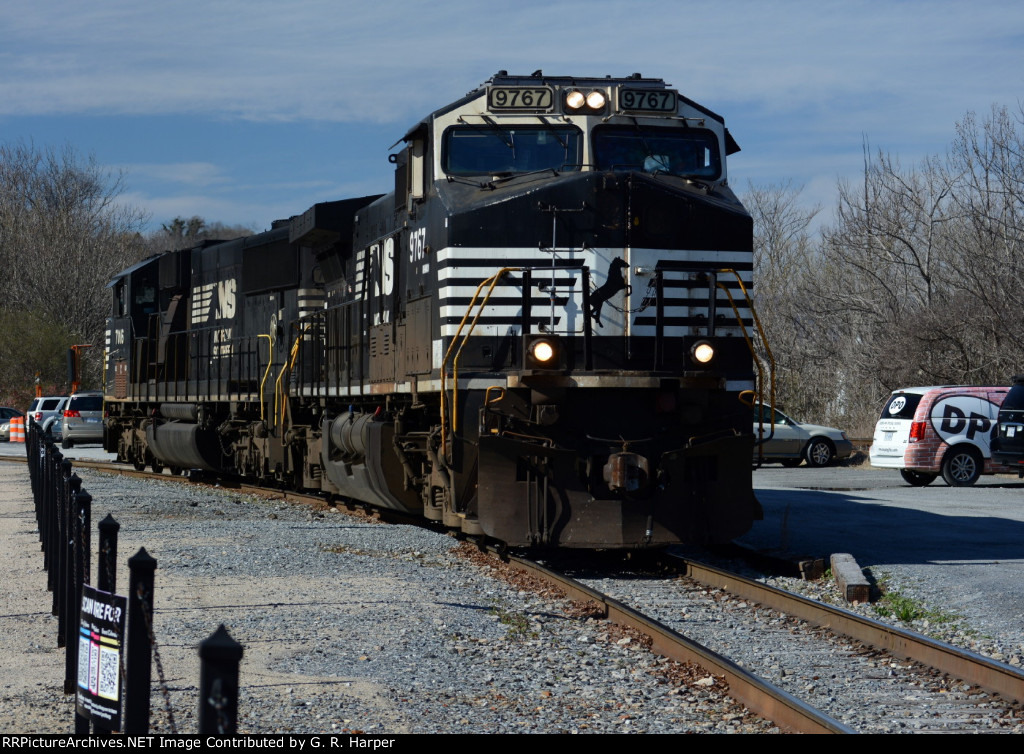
(648, 100)
(520, 99)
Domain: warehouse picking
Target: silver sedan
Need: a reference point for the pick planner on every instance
(790, 442)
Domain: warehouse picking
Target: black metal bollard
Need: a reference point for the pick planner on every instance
(52, 491)
(69, 632)
(46, 517)
(61, 484)
(106, 579)
(81, 512)
(106, 569)
(218, 684)
(139, 652)
(32, 447)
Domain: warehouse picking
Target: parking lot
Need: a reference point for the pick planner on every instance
(960, 548)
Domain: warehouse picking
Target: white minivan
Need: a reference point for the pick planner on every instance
(927, 431)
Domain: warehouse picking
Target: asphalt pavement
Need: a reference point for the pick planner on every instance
(962, 548)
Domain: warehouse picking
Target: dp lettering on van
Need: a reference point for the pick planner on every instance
(955, 422)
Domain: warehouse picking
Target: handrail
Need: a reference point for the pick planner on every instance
(270, 363)
(753, 353)
(288, 367)
(493, 280)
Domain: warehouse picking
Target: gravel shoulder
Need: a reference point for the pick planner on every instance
(347, 624)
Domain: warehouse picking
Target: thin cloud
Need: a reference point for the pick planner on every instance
(393, 60)
(799, 83)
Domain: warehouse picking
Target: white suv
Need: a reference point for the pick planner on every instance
(45, 408)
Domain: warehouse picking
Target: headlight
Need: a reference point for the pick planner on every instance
(542, 351)
(596, 100)
(702, 352)
(574, 100)
(593, 102)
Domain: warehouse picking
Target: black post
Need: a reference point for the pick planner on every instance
(70, 632)
(46, 516)
(81, 511)
(60, 482)
(218, 684)
(106, 569)
(106, 579)
(82, 507)
(139, 652)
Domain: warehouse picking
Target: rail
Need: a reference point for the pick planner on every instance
(959, 663)
(758, 695)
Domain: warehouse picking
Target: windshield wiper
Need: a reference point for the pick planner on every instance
(502, 133)
(554, 132)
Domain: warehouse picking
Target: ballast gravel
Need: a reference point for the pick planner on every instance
(347, 625)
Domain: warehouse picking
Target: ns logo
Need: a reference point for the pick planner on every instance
(216, 300)
(225, 299)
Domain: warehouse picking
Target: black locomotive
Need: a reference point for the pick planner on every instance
(538, 336)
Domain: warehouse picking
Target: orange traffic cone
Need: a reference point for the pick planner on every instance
(17, 429)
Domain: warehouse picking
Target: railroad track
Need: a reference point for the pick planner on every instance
(880, 667)
(831, 670)
(759, 696)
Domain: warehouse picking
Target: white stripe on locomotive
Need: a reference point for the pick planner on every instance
(470, 266)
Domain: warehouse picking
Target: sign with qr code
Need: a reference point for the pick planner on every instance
(100, 657)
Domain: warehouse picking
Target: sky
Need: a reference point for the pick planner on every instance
(243, 112)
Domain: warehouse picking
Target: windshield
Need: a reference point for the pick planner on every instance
(87, 403)
(901, 406)
(764, 415)
(495, 150)
(1014, 400)
(689, 152)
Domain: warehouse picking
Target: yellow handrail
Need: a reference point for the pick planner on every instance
(750, 345)
(270, 363)
(289, 366)
(493, 280)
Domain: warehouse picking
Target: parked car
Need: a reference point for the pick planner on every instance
(791, 442)
(83, 419)
(53, 427)
(1008, 434)
(6, 414)
(55, 418)
(943, 429)
(43, 408)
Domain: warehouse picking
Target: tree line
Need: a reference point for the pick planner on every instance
(64, 233)
(917, 280)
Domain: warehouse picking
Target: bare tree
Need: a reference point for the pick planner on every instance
(987, 263)
(63, 235)
(784, 255)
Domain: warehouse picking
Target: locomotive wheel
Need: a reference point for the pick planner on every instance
(140, 465)
(820, 452)
(961, 467)
(917, 478)
(158, 468)
(175, 470)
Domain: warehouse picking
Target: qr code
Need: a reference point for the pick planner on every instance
(84, 646)
(108, 673)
